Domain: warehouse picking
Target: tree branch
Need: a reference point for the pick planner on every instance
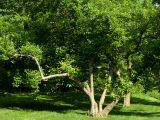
(109, 107)
(85, 89)
(35, 59)
(88, 88)
(39, 67)
(55, 75)
(45, 78)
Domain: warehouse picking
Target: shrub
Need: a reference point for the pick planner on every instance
(138, 88)
(154, 93)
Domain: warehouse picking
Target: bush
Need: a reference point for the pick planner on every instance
(138, 88)
(154, 93)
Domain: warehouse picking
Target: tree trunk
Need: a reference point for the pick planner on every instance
(127, 98)
(101, 101)
(108, 108)
(94, 106)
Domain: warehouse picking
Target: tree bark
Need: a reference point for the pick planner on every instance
(127, 100)
(101, 101)
(108, 108)
(44, 78)
(54, 76)
(94, 106)
(39, 67)
(127, 96)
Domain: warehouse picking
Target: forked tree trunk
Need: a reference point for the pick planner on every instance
(98, 110)
(127, 99)
(104, 112)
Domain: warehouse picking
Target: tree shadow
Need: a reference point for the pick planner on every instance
(65, 102)
(142, 113)
(61, 102)
(136, 113)
(136, 100)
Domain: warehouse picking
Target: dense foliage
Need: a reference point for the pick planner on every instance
(114, 43)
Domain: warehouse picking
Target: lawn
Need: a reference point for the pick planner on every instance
(72, 106)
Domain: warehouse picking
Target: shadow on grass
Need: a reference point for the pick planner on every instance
(136, 100)
(61, 102)
(143, 113)
(66, 102)
(136, 113)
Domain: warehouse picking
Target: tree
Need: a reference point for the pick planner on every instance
(131, 32)
(96, 44)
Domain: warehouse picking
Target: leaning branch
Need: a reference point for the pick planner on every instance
(35, 59)
(55, 75)
(39, 67)
(45, 78)
(85, 89)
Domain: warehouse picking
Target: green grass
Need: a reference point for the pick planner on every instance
(72, 106)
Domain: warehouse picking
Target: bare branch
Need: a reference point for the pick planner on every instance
(88, 88)
(35, 59)
(39, 67)
(45, 78)
(55, 75)
(80, 85)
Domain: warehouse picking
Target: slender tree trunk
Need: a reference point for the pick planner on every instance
(94, 106)
(101, 101)
(127, 100)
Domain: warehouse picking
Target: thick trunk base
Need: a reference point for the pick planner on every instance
(94, 109)
(105, 111)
